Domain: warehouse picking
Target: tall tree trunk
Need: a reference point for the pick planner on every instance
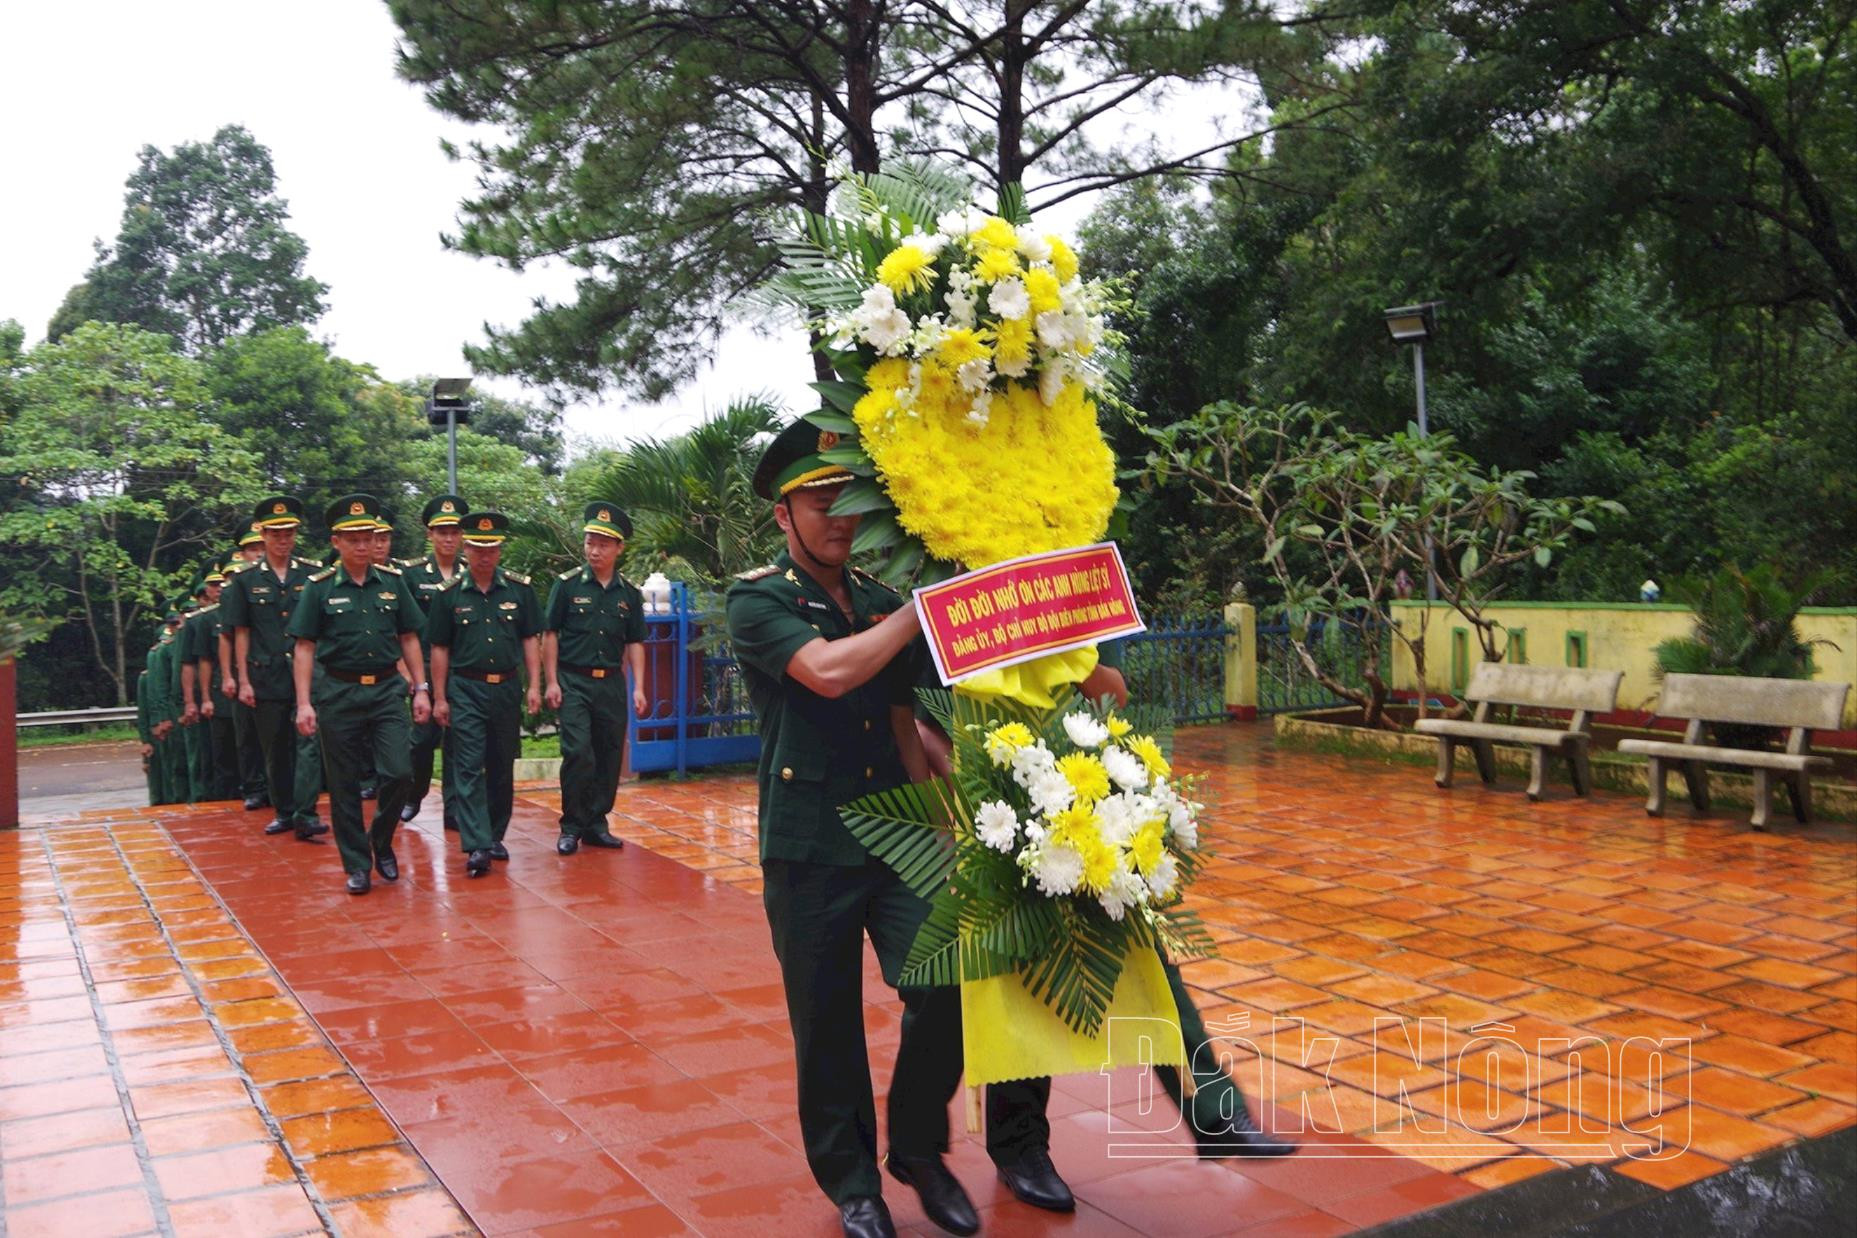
(816, 196)
(862, 49)
(1012, 61)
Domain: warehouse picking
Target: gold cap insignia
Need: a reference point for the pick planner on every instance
(277, 509)
(355, 509)
(486, 523)
(828, 439)
(604, 514)
(448, 506)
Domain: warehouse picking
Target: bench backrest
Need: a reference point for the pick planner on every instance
(1546, 687)
(1748, 699)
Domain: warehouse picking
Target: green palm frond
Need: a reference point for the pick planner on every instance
(1077, 977)
(1183, 935)
(903, 828)
(917, 191)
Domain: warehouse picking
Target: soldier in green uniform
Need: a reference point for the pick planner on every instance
(259, 603)
(197, 684)
(830, 657)
(357, 620)
(380, 552)
(173, 746)
(251, 784)
(484, 628)
(594, 632)
(426, 576)
(222, 758)
(144, 730)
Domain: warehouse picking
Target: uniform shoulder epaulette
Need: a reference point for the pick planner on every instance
(207, 610)
(389, 569)
(419, 561)
(569, 574)
(452, 583)
(757, 573)
(518, 577)
(307, 562)
(236, 568)
(322, 575)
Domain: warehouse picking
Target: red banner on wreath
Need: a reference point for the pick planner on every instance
(1026, 608)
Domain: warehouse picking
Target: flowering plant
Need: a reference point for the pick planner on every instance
(1072, 842)
(970, 351)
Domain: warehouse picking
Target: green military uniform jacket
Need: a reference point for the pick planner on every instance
(816, 754)
(592, 626)
(254, 598)
(165, 707)
(484, 630)
(425, 580)
(144, 724)
(357, 627)
(200, 643)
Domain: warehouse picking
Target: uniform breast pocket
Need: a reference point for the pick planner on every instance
(799, 799)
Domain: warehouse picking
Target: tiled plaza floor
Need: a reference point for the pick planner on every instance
(598, 1044)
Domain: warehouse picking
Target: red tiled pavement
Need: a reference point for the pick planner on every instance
(597, 1044)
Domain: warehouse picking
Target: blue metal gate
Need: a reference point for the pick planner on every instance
(697, 699)
(1179, 662)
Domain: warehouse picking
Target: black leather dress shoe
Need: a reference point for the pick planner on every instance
(254, 802)
(359, 883)
(388, 864)
(866, 1217)
(309, 830)
(603, 839)
(1034, 1180)
(477, 863)
(1240, 1136)
(498, 851)
(567, 844)
(942, 1196)
(277, 826)
(408, 812)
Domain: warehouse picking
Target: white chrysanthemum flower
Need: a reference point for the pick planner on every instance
(1053, 327)
(960, 279)
(981, 411)
(996, 825)
(1165, 877)
(1185, 826)
(1126, 889)
(930, 243)
(961, 224)
(961, 309)
(976, 374)
(1125, 769)
(1018, 367)
(1084, 730)
(1051, 380)
(1030, 761)
(1057, 870)
(1051, 792)
(1009, 299)
(1033, 243)
(1114, 821)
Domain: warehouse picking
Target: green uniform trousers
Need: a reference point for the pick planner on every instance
(222, 779)
(1218, 1100)
(197, 744)
(173, 754)
(592, 728)
(486, 737)
(276, 724)
(356, 722)
(251, 753)
(151, 770)
(429, 738)
(819, 915)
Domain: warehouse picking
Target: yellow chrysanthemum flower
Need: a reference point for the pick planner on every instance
(995, 264)
(1012, 341)
(1144, 747)
(1085, 774)
(998, 233)
(1003, 741)
(1042, 286)
(887, 375)
(959, 345)
(1063, 259)
(1118, 726)
(906, 269)
(1145, 848)
(1075, 826)
(1100, 863)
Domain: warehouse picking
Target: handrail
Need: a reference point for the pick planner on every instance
(78, 717)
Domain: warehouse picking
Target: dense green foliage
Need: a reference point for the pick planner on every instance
(1744, 626)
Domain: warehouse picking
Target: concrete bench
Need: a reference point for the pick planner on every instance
(1583, 692)
(1794, 704)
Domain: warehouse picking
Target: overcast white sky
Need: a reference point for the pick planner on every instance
(85, 85)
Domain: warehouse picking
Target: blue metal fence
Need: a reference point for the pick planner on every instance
(1179, 662)
(697, 700)
(1285, 684)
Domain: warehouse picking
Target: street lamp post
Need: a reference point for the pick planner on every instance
(1414, 324)
(448, 407)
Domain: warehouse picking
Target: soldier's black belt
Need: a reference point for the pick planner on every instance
(591, 672)
(484, 676)
(365, 678)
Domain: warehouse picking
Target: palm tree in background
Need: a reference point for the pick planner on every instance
(691, 496)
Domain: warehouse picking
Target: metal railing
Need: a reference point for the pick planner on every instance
(78, 717)
(1179, 663)
(698, 701)
(1285, 684)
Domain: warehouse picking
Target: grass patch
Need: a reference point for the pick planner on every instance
(68, 736)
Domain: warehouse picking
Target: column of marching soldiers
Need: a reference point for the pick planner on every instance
(278, 677)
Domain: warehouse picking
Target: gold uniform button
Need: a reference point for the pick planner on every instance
(867, 724)
(786, 774)
(870, 771)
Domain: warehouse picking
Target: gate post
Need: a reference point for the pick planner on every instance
(1241, 661)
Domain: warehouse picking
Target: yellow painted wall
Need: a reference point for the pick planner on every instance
(1619, 636)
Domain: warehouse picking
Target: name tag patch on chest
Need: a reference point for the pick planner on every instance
(386, 595)
(583, 601)
(506, 606)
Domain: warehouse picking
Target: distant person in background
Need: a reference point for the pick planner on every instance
(251, 785)
(1650, 591)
